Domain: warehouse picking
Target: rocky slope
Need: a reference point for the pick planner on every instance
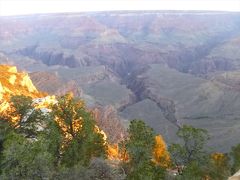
(187, 99)
(12, 83)
(52, 84)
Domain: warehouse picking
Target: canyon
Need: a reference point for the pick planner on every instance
(167, 68)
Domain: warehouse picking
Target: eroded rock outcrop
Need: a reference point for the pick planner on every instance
(13, 82)
(16, 83)
(236, 176)
(55, 85)
(108, 120)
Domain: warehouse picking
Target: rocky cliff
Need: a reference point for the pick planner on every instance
(12, 83)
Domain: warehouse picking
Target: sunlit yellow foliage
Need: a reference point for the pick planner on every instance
(68, 129)
(160, 153)
(206, 177)
(115, 153)
(66, 109)
(6, 111)
(219, 159)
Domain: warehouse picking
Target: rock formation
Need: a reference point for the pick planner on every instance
(236, 176)
(13, 82)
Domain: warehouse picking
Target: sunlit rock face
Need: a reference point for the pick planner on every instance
(16, 83)
(12, 83)
(10, 69)
(26, 82)
(12, 79)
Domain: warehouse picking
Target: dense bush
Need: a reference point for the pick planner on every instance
(67, 144)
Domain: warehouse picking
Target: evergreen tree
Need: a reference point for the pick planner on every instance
(190, 157)
(25, 118)
(5, 129)
(235, 154)
(25, 159)
(53, 138)
(219, 166)
(22, 105)
(83, 140)
(140, 146)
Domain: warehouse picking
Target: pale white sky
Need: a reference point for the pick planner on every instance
(19, 7)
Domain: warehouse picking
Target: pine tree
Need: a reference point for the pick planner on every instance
(83, 140)
(139, 146)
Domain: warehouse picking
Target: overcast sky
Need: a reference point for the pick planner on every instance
(17, 7)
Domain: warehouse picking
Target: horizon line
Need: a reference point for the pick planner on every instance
(123, 11)
(28, 7)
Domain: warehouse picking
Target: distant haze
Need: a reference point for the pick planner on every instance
(20, 7)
